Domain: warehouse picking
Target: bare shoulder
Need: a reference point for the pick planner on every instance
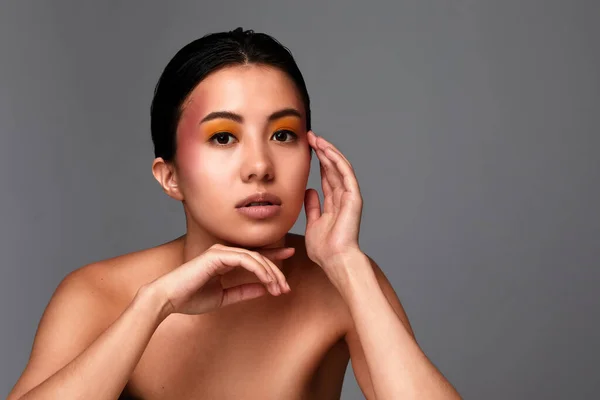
(321, 294)
(84, 304)
(116, 280)
(328, 297)
(97, 292)
(119, 278)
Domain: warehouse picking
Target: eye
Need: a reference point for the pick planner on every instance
(222, 138)
(281, 135)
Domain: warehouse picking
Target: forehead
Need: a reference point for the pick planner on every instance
(246, 89)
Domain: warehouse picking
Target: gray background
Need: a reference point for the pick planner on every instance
(473, 127)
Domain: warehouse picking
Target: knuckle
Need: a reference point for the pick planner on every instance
(246, 256)
(255, 254)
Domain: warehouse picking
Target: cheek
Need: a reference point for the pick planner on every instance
(199, 170)
(198, 165)
(295, 172)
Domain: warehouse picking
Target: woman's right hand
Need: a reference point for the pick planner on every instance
(195, 287)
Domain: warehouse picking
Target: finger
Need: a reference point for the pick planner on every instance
(324, 143)
(271, 255)
(312, 206)
(344, 169)
(278, 285)
(335, 181)
(327, 191)
(243, 292)
(257, 257)
(324, 183)
(281, 280)
(331, 174)
(276, 254)
(312, 139)
(227, 260)
(273, 285)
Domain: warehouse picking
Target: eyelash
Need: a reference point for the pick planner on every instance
(288, 132)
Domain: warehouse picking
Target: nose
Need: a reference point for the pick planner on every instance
(257, 165)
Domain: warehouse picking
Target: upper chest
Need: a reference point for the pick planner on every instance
(271, 347)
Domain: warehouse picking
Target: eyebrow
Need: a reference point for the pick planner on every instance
(238, 118)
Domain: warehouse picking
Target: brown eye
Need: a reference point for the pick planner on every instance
(222, 138)
(280, 136)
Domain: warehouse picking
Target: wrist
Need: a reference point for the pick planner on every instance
(151, 299)
(349, 272)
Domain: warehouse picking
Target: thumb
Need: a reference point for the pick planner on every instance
(243, 292)
(312, 206)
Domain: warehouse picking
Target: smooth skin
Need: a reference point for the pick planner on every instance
(193, 288)
(397, 367)
(234, 302)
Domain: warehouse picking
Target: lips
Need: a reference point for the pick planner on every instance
(265, 198)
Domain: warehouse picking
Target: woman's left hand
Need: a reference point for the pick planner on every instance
(332, 234)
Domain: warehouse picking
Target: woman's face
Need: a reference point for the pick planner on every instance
(257, 143)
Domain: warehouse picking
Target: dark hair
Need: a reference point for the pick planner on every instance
(196, 60)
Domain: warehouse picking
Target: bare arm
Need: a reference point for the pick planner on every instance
(386, 358)
(73, 357)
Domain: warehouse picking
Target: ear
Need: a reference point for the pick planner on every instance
(166, 175)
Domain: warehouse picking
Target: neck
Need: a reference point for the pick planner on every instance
(197, 240)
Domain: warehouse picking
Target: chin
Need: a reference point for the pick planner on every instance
(258, 234)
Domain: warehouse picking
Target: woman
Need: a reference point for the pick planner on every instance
(237, 308)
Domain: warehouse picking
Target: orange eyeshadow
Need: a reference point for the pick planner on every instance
(212, 127)
(292, 123)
